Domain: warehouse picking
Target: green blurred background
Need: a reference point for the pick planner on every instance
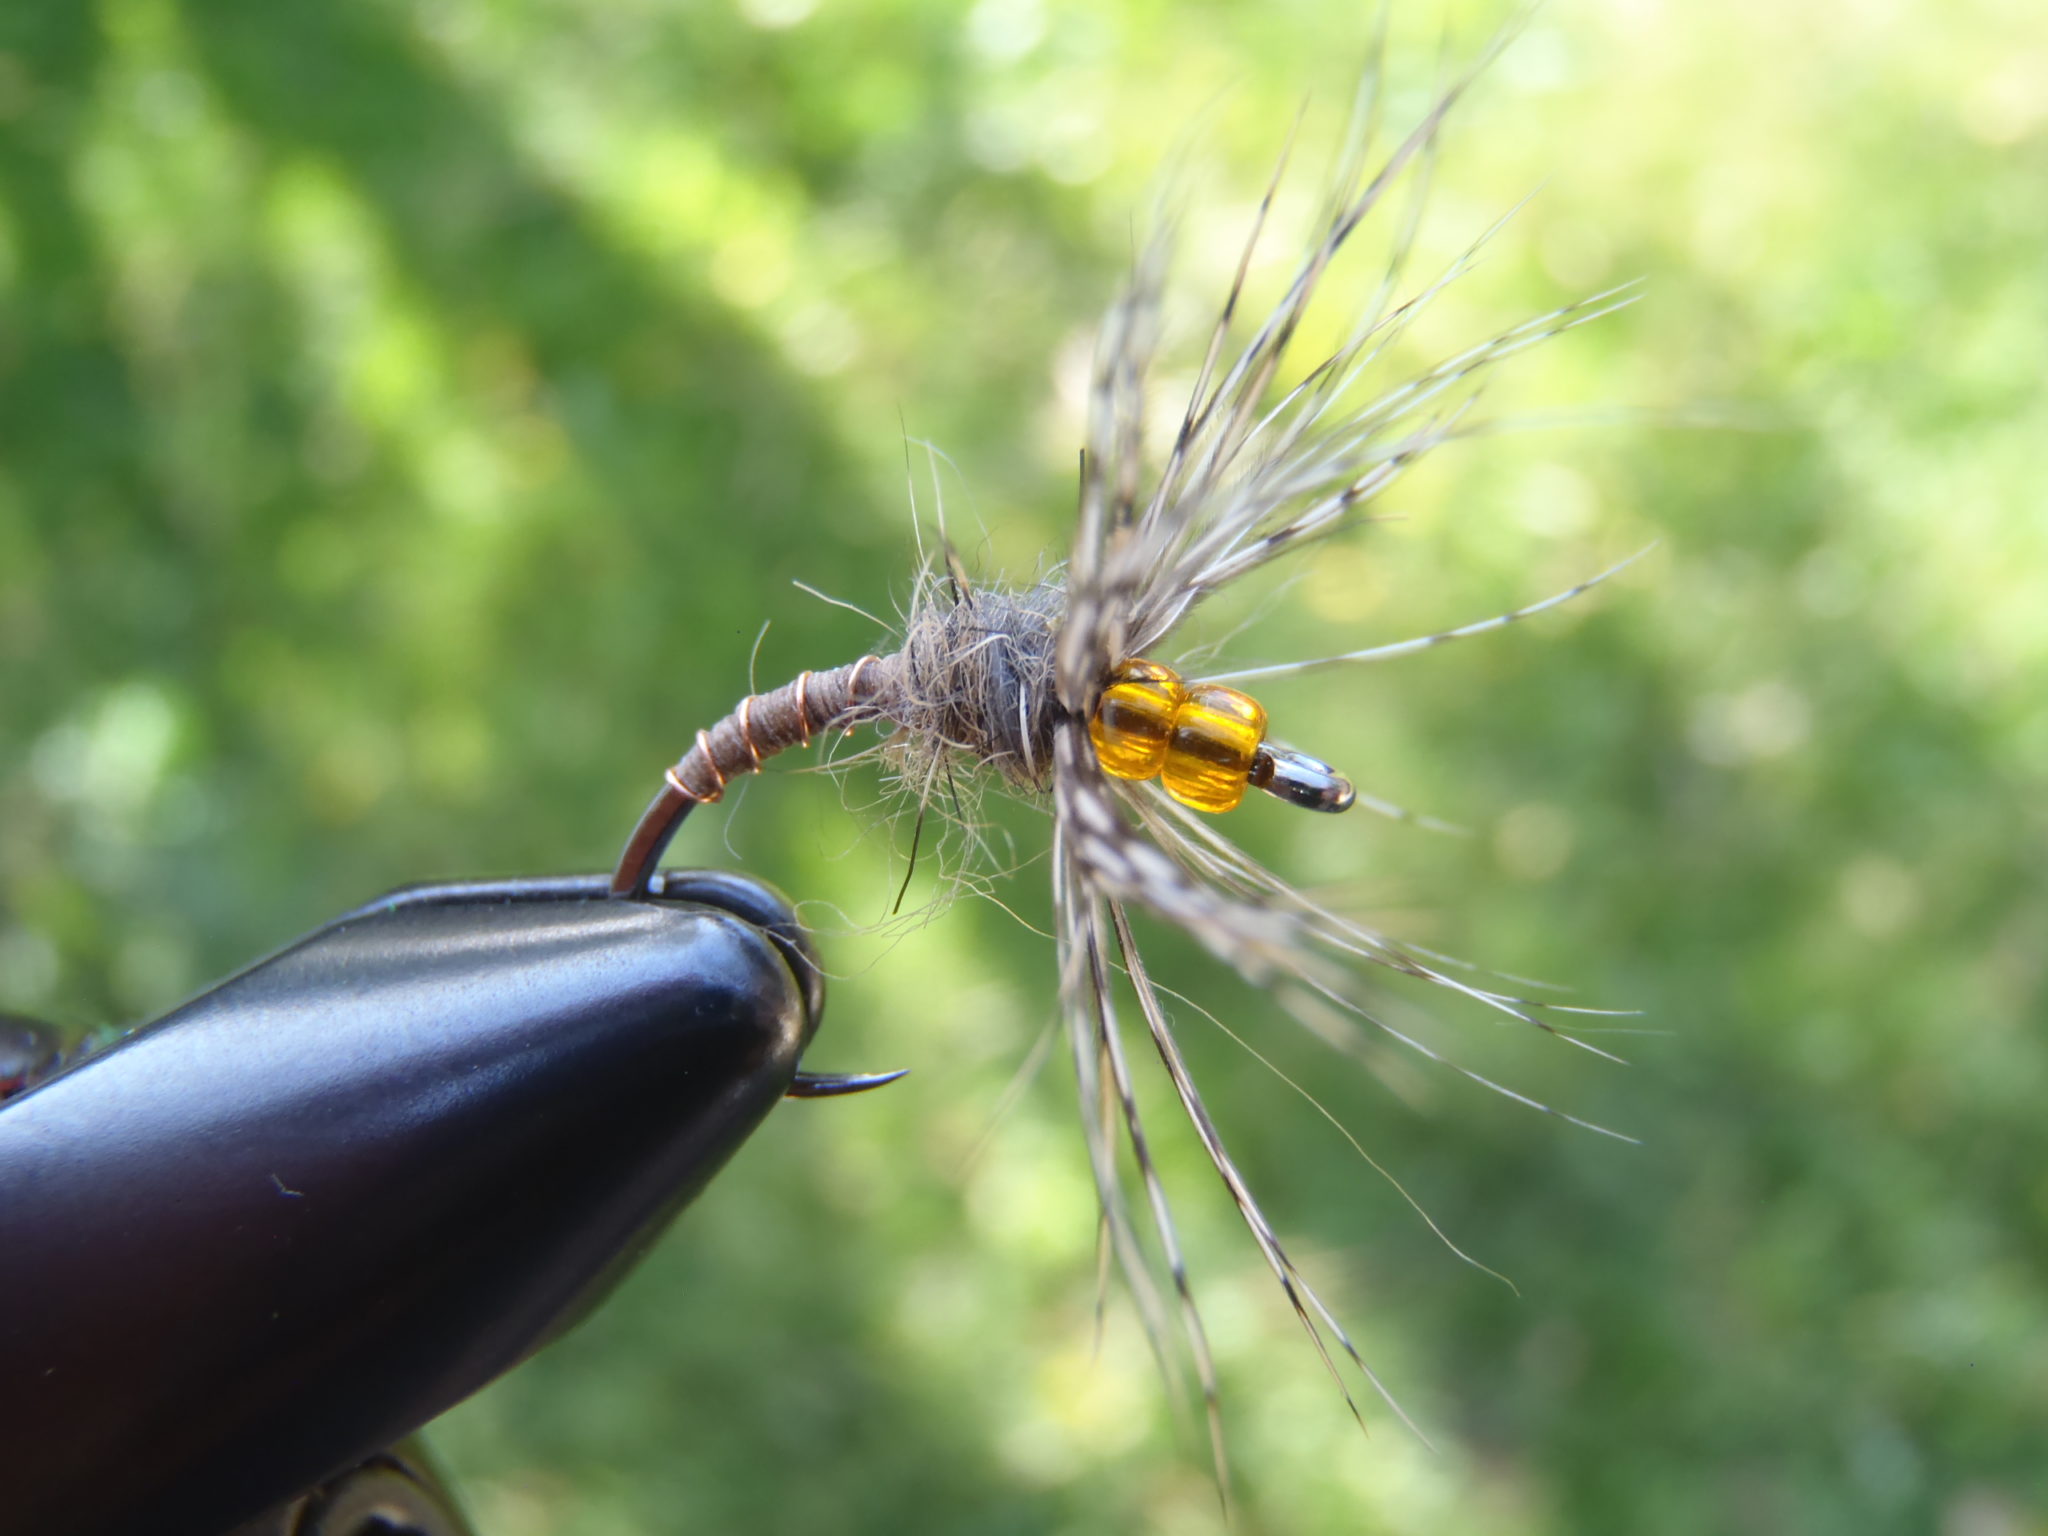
(410, 414)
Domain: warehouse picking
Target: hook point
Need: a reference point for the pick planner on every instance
(832, 1085)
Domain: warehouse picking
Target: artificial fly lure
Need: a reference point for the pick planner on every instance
(1056, 688)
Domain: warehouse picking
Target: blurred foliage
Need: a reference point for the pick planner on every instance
(410, 414)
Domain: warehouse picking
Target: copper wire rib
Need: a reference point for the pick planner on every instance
(746, 716)
(853, 680)
(763, 725)
(710, 766)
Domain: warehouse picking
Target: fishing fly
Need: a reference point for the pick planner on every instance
(1058, 689)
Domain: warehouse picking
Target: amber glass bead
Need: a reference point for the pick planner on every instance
(1133, 724)
(1216, 733)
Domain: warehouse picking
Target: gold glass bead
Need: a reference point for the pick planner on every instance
(1133, 724)
(1207, 743)
(1216, 733)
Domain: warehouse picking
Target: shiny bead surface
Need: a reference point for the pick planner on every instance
(1134, 723)
(1216, 733)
